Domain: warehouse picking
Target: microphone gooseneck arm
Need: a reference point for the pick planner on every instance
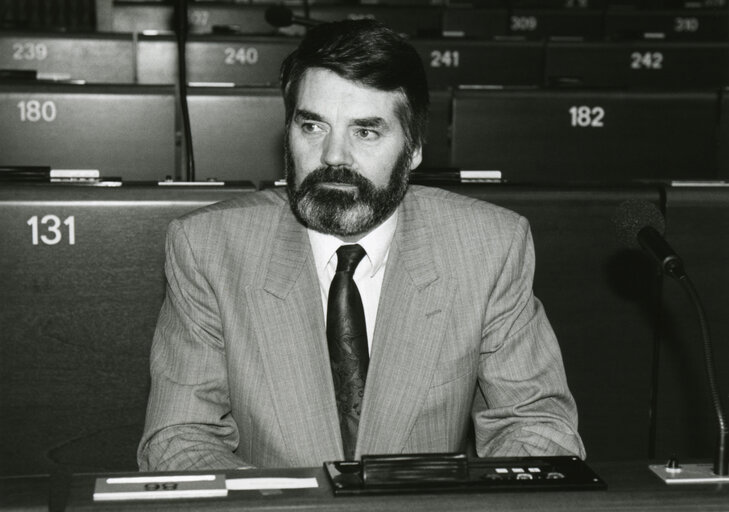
(181, 32)
(721, 463)
(642, 222)
(657, 246)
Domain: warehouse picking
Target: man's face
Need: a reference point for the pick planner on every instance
(347, 162)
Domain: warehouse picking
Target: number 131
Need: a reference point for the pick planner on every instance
(51, 225)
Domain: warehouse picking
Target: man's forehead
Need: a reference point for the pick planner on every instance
(323, 90)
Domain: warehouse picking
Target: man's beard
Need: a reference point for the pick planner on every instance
(345, 212)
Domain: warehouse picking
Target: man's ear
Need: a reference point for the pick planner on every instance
(416, 157)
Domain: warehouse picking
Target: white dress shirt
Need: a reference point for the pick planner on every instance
(367, 276)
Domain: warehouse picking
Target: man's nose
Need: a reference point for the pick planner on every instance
(337, 150)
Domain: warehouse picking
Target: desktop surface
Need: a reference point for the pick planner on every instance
(630, 486)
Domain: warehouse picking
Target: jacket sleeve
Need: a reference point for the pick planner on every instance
(523, 406)
(189, 423)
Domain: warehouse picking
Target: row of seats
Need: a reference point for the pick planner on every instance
(71, 15)
(81, 281)
(529, 134)
(536, 110)
(533, 22)
(592, 18)
(252, 60)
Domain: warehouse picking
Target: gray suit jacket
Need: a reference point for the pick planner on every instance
(240, 370)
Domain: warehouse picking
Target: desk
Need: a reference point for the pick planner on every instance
(631, 486)
(25, 493)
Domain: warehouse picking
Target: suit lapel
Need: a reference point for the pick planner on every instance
(290, 326)
(411, 324)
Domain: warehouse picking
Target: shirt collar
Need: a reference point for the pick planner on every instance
(376, 244)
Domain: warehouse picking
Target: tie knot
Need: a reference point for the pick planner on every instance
(348, 257)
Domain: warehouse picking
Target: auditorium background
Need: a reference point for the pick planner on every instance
(580, 104)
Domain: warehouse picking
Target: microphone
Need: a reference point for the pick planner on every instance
(640, 224)
(181, 29)
(281, 16)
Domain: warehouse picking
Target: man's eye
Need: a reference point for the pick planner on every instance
(310, 128)
(367, 134)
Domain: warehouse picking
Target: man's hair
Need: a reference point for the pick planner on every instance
(370, 54)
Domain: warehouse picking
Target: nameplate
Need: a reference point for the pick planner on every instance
(159, 487)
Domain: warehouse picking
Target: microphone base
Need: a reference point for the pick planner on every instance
(688, 474)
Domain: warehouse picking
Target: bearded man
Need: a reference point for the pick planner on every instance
(352, 314)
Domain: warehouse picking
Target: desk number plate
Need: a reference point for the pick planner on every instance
(159, 487)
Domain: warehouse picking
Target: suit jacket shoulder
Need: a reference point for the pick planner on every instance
(464, 231)
(449, 207)
(247, 204)
(237, 230)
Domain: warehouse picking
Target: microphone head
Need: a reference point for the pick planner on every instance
(279, 16)
(634, 215)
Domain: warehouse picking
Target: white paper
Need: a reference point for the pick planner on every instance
(249, 484)
(160, 479)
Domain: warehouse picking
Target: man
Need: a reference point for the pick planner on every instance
(457, 350)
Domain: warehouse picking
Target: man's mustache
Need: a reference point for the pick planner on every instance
(338, 174)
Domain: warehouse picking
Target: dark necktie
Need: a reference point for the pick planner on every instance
(347, 339)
